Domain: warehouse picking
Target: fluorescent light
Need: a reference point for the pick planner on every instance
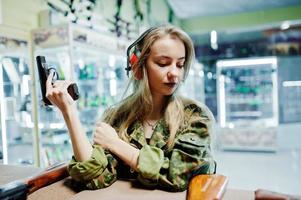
(246, 62)
(213, 39)
(56, 125)
(112, 61)
(113, 87)
(285, 25)
(222, 98)
(213, 36)
(291, 84)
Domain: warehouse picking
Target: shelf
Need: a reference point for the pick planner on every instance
(88, 82)
(246, 114)
(244, 101)
(84, 62)
(249, 148)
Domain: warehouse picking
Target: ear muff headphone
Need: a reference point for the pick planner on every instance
(133, 55)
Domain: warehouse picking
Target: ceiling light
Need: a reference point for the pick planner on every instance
(285, 25)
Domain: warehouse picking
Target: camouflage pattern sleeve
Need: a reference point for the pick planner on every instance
(97, 172)
(191, 155)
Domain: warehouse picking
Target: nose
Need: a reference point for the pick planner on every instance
(173, 72)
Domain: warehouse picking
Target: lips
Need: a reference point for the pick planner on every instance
(171, 85)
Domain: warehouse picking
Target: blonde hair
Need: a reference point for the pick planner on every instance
(139, 104)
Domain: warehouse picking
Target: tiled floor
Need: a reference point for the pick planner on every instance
(280, 171)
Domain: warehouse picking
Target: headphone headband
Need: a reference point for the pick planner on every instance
(128, 51)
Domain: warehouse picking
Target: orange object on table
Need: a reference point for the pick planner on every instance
(207, 187)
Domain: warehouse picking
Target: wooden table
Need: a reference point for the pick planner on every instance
(119, 190)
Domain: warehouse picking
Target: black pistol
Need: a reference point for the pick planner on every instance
(44, 71)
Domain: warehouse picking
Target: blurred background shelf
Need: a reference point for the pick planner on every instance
(246, 123)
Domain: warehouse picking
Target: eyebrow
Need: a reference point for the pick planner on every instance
(167, 57)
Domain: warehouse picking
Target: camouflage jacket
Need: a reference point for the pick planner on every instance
(157, 167)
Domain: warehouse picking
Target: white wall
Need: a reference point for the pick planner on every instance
(23, 14)
(0, 11)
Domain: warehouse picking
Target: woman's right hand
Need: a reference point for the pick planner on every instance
(58, 95)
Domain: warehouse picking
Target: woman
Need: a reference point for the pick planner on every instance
(153, 135)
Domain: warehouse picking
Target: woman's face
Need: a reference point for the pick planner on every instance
(165, 65)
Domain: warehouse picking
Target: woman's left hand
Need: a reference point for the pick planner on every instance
(104, 135)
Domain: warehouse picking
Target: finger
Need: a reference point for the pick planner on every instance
(107, 126)
(49, 81)
(99, 123)
(65, 88)
(98, 131)
(95, 141)
(58, 84)
(94, 137)
(66, 85)
(60, 87)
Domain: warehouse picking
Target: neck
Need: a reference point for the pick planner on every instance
(158, 104)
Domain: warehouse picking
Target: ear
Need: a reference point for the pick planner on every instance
(137, 71)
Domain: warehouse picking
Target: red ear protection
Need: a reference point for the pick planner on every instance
(134, 66)
(133, 59)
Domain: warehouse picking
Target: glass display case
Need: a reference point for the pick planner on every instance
(95, 62)
(15, 99)
(289, 89)
(248, 103)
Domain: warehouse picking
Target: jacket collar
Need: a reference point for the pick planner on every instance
(137, 135)
(158, 138)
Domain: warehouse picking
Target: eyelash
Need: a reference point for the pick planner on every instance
(164, 65)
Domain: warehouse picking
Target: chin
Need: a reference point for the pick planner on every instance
(168, 93)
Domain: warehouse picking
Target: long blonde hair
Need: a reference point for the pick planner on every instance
(139, 104)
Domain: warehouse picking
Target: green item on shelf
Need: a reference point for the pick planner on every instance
(104, 100)
(81, 103)
(61, 73)
(95, 102)
(82, 74)
(90, 69)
